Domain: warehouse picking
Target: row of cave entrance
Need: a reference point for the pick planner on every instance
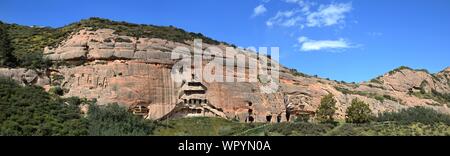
(250, 118)
(143, 111)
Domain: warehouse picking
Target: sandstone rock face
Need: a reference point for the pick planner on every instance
(26, 76)
(129, 83)
(137, 72)
(404, 84)
(238, 99)
(405, 80)
(103, 44)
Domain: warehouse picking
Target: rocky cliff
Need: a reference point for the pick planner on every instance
(136, 71)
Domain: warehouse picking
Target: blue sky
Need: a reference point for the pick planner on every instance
(350, 40)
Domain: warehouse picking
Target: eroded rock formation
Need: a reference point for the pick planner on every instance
(136, 72)
(26, 76)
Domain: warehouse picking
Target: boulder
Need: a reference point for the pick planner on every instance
(25, 76)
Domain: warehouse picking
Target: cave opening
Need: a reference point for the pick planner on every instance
(268, 118)
(302, 107)
(250, 119)
(288, 116)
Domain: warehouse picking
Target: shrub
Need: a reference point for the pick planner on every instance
(390, 98)
(302, 118)
(376, 80)
(115, 120)
(358, 112)
(27, 41)
(29, 110)
(34, 60)
(399, 69)
(376, 96)
(6, 56)
(326, 109)
(379, 98)
(123, 40)
(434, 95)
(295, 72)
(345, 130)
(301, 128)
(415, 115)
(391, 129)
(56, 90)
(140, 30)
(56, 80)
(442, 97)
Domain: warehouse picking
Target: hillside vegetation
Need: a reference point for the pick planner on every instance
(27, 43)
(30, 111)
(214, 126)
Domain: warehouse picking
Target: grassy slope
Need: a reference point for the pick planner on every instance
(202, 126)
(216, 127)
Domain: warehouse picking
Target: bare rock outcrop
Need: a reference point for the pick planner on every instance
(26, 76)
(137, 72)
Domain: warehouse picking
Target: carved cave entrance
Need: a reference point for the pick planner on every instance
(269, 118)
(251, 119)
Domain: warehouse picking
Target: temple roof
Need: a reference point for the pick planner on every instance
(194, 96)
(186, 87)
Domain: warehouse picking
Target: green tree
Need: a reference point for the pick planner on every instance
(326, 109)
(30, 111)
(115, 120)
(6, 56)
(358, 112)
(35, 60)
(302, 118)
(416, 114)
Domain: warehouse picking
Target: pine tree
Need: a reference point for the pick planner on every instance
(6, 57)
(358, 112)
(326, 109)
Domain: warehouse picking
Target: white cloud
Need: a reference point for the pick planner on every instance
(309, 14)
(302, 39)
(293, 1)
(260, 9)
(284, 18)
(291, 21)
(313, 45)
(328, 15)
(375, 34)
